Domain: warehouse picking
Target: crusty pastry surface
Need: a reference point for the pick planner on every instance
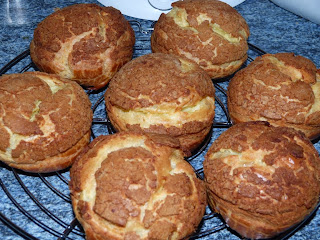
(44, 121)
(132, 186)
(262, 179)
(282, 88)
(83, 42)
(163, 94)
(210, 32)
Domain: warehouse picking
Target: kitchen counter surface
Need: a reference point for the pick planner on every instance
(273, 30)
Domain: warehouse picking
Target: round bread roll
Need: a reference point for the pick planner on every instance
(133, 186)
(262, 179)
(44, 121)
(86, 43)
(282, 89)
(209, 32)
(163, 94)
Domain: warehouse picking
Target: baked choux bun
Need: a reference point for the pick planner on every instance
(133, 186)
(162, 94)
(86, 43)
(282, 88)
(44, 121)
(262, 179)
(209, 32)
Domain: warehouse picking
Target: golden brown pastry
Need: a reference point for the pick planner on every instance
(163, 94)
(83, 42)
(262, 179)
(282, 88)
(44, 121)
(210, 32)
(134, 186)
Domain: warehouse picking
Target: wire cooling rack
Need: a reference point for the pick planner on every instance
(38, 206)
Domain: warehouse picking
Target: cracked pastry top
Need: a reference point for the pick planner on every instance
(134, 186)
(209, 32)
(262, 179)
(44, 121)
(163, 94)
(282, 88)
(86, 43)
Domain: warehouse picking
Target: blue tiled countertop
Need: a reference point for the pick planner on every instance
(273, 30)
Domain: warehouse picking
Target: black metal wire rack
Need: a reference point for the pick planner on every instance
(38, 206)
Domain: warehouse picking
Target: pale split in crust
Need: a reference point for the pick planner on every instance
(262, 179)
(133, 186)
(163, 94)
(44, 121)
(281, 88)
(86, 43)
(209, 32)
